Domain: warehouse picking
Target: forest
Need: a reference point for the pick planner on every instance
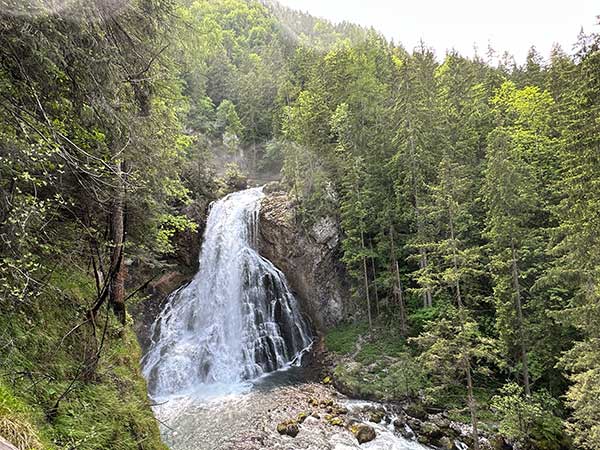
(467, 191)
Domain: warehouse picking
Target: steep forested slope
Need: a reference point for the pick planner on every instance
(466, 191)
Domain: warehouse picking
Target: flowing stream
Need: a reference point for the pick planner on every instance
(223, 365)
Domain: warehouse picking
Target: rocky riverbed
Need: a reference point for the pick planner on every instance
(284, 411)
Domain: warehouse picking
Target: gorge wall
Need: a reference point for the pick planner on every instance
(309, 258)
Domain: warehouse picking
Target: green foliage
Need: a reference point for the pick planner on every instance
(530, 421)
(342, 339)
(450, 346)
(38, 363)
(232, 180)
(169, 226)
(382, 366)
(467, 194)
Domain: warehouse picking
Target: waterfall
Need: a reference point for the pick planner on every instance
(237, 319)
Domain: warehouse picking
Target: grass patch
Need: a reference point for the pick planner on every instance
(382, 342)
(109, 411)
(342, 339)
(382, 368)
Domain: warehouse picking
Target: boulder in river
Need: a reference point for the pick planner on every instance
(416, 410)
(364, 433)
(400, 422)
(376, 416)
(446, 443)
(431, 430)
(336, 421)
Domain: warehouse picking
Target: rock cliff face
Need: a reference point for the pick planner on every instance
(308, 258)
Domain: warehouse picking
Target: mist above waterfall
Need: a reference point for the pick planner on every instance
(236, 320)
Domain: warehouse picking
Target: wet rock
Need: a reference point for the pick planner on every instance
(415, 424)
(376, 416)
(431, 430)
(289, 427)
(446, 443)
(400, 422)
(407, 432)
(336, 421)
(364, 433)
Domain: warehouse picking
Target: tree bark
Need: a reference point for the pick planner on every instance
(472, 404)
(117, 282)
(362, 238)
(398, 287)
(455, 259)
(374, 280)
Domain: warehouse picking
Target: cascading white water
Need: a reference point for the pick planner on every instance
(236, 320)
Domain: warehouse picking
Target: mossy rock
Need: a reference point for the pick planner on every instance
(327, 402)
(327, 380)
(422, 439)
(431, 430)
(364, 433)
(289, 428)
(301, 417)
(416, 410)
(336, 421)
(376, 416)
(445, 443)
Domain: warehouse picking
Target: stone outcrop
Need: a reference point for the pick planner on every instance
(308, 258)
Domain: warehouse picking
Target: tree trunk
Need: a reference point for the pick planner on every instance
(427, 298)
(472, 404)
(459, 301)
(519, 308)
(362, 238)
(374, 280)
(398, 288)
(117, 283)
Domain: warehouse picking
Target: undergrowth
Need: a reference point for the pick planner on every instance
(40, 361)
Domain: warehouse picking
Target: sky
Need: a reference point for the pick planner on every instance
(508, 25)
